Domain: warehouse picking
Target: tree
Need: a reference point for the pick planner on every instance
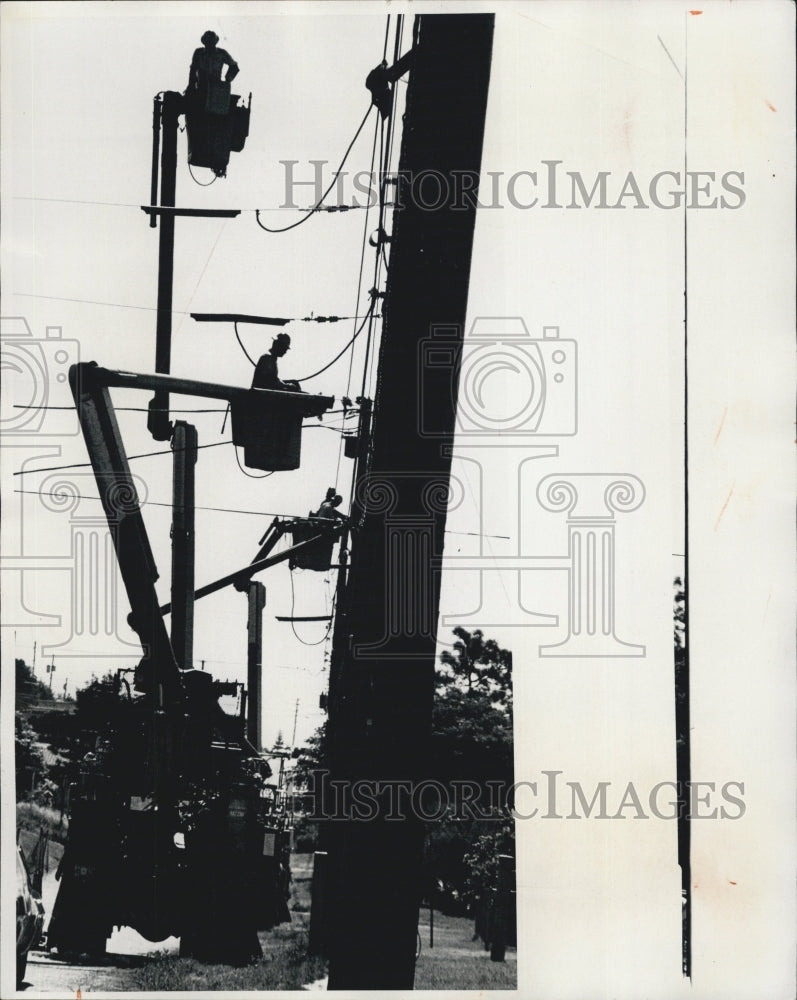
(312, 756)
(477, 665)
(28, 758)
(471, 738)
(28, 687)
(471, 742)
(97, 705)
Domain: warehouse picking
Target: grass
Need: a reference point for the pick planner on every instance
(464, 974)
(285, 965)
(31, 816)
(456, 962)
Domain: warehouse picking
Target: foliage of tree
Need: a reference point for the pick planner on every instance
(471, 737)
(481, 860)
(312, 757)
(28, 757)
(477, 666)
(28, 686)
(97, 705)
(472, 741)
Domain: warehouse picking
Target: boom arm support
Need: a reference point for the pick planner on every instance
(121, 505)
(240, 578)
(300, 402)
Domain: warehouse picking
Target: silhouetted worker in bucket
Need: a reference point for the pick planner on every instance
(206, 89)
(381, 81)
(327, 511)
(266, 375)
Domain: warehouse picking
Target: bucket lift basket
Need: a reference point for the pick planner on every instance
(270, 431)
(317, 557)
(214, 131)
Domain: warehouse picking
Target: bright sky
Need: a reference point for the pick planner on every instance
(78, 122)
(599, 87)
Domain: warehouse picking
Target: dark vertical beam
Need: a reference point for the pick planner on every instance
(381, 714)
(316, 944)
(171, 108)
(120, 501)
(184, 446)
(684, 775)
(156, 138)
(254, 661)
(340, 635)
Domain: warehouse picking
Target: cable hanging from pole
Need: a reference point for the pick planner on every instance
(304, 642)
(250, 475)
(241, 344)
(201, 183)
(317, 206)
(350, 343)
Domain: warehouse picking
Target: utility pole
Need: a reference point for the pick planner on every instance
(51, 670)
(382, 685)
(165, 118)
(167, 111)
(254, 669)
(184, 448)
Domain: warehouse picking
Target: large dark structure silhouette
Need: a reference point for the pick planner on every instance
(383, 669)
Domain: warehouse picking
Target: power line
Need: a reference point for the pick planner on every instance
(362, 260)
(293, 623)
(156, 503)
(78, 201)
(161, 409)
(93, 302)
(220, 510)
(293, 225)
(343, 351)
(146, 454)
(124, 409)
(175, 312)
(136, 205)
(241, 345)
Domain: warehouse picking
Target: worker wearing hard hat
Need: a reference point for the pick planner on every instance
(205, 85)
(327, 511)
(266, 375)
